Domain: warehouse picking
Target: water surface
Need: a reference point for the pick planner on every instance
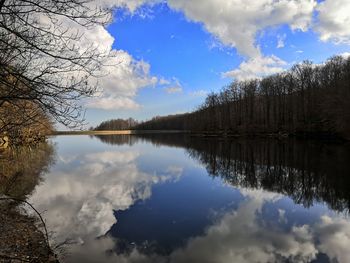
(173, 198)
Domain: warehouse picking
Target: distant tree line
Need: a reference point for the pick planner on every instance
(116, 124)
(307, 99)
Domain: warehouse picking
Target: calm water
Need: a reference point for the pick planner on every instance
(173, 198)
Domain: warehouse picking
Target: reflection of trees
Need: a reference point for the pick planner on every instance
(307, 171)
(117, 139)
(20, 169)
(158, 139)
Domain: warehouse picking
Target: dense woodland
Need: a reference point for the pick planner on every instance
(307, 99)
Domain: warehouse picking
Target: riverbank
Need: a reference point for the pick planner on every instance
(20, 238)
(117, 132)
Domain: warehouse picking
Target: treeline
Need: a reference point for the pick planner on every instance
(307, 99)
(116, 124)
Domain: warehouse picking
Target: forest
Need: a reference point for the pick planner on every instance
(309, 99)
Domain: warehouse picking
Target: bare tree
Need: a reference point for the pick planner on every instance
(42, 58)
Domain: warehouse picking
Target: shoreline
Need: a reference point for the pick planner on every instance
(209, 134)
(116, 132)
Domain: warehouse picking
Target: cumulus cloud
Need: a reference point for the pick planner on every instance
(334, 20)
(237, 22)
(120, 76)
(257, 67)
(121, 79)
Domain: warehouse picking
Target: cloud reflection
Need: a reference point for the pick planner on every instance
(244, 235)
(83, 193)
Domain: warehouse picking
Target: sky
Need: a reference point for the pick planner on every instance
(171, 53)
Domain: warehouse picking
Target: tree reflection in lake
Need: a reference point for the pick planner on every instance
(142, 199)
(306, 171)
(21, 169)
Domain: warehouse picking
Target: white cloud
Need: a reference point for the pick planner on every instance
(112, 103)
(237, 22)
(334, 20)
(122, 78)
(257, 67)
(131, 5)
(345, 54)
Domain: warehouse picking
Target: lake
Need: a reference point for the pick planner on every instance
(175, 198)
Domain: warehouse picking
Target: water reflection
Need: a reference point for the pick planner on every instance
(150, 199)
(21, 169)
(306, 171)
(85, 187)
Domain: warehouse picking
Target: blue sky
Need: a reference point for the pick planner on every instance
(189, 50)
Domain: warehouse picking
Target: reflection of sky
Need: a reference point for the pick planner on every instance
(164, 208)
